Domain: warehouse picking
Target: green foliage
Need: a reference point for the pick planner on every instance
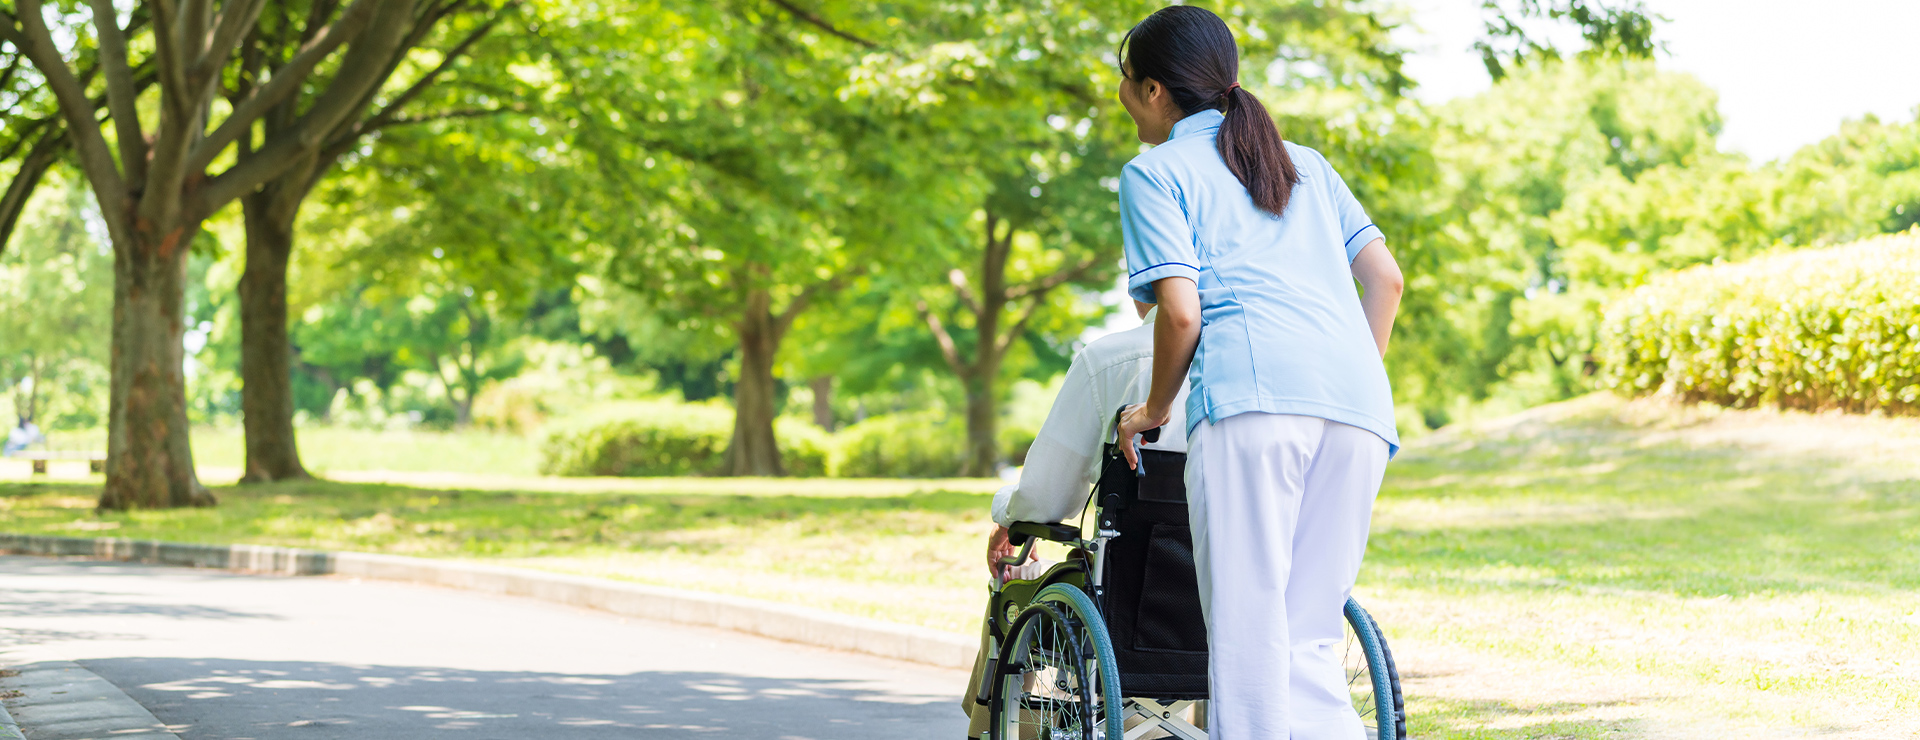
(1813, 329)
(906, 445)
(1610, 28)
(665, 438)
(658, 440)
(1563, 184)
(1863, 180)
(56, 300)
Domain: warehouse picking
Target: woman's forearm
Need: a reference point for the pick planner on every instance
(1382, 284)
(1176, 332)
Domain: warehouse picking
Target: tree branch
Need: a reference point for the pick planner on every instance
(13, 66)
(122, 104)
(785, 319)
(192, 34)
(171, 61)
(1002, 343)
(452, 114)
(391, 110)
(942, 338)
(958, 278)
(1055, 280)
(33, 167)
(286, 80)
(822, 23)
(29, 33)
(234, 24)
(26, 134)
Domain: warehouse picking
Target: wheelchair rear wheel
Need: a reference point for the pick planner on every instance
(1054, 679)
(1372, 679)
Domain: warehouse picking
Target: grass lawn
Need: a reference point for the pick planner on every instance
(221, 451)
(1597, 568)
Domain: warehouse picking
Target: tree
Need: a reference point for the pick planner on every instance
(1861, 181)
(427, 253)
(742, 188)
(1017, 105)
(162, 174)
(271, 210)
(1610, 30)
(1564, 183)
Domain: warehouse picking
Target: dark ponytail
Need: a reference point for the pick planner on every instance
(1191, 52)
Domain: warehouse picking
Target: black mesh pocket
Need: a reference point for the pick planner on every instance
(1168, 618)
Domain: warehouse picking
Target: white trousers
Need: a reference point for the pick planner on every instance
(1279, 507)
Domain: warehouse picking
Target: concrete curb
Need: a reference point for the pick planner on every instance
(61, 700)
(9, 729)
(752, 616)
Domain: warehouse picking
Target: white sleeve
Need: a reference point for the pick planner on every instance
(1001, 498)
(1053, 485)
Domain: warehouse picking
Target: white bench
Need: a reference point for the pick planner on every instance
(96, 461)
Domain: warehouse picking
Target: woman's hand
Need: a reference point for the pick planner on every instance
(1136, 419)
(999, 548)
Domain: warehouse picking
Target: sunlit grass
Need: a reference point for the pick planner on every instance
(1590, 570)
(326, 449)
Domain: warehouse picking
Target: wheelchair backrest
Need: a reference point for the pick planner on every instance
(1149, 593)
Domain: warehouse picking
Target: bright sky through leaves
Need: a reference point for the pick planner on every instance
(1788, 71)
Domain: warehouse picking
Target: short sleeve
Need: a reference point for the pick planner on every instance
(1354, 223)
(1155, 231)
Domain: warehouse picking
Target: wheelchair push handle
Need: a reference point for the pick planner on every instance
(1149, 436)
(1024, 534)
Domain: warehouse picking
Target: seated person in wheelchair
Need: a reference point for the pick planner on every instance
(1113, 371)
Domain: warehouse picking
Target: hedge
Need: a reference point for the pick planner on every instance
(1814, 329)
(673, 438)
(910, 445)
(670, 439)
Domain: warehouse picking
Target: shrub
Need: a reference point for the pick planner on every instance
(643, 439)
(805, 449)
(667, 438)
(913, 445)
(1811, 329)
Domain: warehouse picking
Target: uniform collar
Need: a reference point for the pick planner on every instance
(1199, 123)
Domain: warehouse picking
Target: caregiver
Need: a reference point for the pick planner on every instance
(1251, 247)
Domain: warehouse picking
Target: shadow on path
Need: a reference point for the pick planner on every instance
(209, 699)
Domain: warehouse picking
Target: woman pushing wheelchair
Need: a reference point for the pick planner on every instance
(1249, 248)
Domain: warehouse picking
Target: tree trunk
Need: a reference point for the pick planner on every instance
(463, 406)
(822, 401)
(149, 463)
(266, 355)
(983, 415)
(30, 410)
(753, 450)
(983, 377)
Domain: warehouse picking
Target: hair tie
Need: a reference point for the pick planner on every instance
(1229, 90)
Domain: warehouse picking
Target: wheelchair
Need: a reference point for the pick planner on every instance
(1109, 644)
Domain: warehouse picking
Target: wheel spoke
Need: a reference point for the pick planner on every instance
(1050, 695)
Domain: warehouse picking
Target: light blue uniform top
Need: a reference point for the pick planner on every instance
(1281, 328)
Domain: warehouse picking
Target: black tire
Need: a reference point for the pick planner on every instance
(1373, 680)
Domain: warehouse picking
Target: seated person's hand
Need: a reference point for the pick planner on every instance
(1136, 419)
(998, 548)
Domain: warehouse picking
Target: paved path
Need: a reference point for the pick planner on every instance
(219, 656)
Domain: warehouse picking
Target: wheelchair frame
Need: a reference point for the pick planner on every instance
(1076, 590)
